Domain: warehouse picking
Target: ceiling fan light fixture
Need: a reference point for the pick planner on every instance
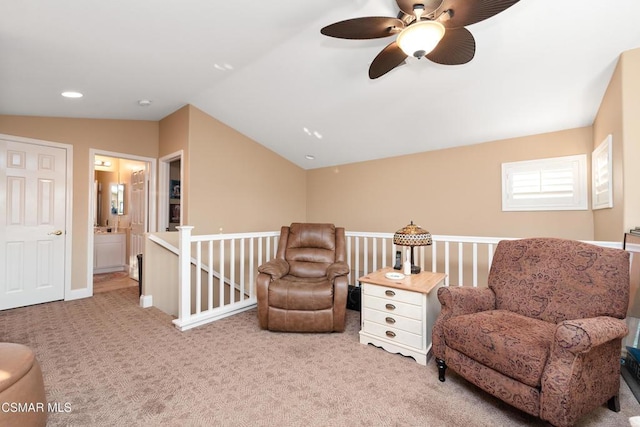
(420, 38)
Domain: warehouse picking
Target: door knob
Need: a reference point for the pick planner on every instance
(57, 232)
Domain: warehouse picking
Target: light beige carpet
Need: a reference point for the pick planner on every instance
(115, 363)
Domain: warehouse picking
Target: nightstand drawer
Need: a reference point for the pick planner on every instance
(392, 320)
(386, 305)
(393, 334)
(393, 294)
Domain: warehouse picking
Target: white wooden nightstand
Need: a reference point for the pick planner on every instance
(398, 315)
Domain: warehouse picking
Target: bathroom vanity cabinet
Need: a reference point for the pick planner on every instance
(109, 252)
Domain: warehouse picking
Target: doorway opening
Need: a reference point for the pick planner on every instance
(170, 197)
(122, 209)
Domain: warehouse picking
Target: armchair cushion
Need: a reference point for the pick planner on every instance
(291, 294)
(510, 343)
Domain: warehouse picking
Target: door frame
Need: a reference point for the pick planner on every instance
(151, 201)
(163, 188)
(68, 235)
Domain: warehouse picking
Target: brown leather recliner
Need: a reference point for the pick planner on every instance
(304, 287)
(546, 334)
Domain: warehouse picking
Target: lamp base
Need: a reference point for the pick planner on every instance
(415, 269)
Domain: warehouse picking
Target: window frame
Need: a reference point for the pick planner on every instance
(578, 199)
(602, 198)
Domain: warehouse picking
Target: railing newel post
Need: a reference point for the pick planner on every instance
(184, 273)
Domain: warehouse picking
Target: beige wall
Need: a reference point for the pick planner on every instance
(237, 185)
(608, 223)
(618, 116)
(123, 136)
(454, 191)
(630, 61)
(174, 136)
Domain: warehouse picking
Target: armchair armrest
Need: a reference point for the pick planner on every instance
(581, 335)
(584, 352)
(456, 301)
(337, 269)
(276, 268)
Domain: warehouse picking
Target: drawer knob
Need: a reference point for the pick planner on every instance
(390, 334)
(390, 320)
(389, 293)
(390, 307)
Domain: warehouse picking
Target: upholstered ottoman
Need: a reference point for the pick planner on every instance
(22, 398)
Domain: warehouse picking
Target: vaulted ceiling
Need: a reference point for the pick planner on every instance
(264, 69)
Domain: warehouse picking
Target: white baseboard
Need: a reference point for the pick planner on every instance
(78, 294)
(146, 301)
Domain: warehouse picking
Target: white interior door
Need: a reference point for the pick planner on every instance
(138, 214)
(32, 223)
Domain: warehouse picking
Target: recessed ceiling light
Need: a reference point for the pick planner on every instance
(144, 103)
(71, 94)
(317, 134)
(307, 131)
(309, 157)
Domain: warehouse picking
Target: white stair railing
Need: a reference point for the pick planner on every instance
(217, 272)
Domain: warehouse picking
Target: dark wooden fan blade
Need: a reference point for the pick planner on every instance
(388, 59)
(429, 5)
(456, 47)
(467, 12)
(372, 27)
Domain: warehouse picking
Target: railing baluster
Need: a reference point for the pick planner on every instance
(232, 271)
(252, 279)
(357, 257)
(475, 265)
(460, 264)
(446, 262)
(242, 267)
(210, 278)
(374, 266)
(198, 277)
(384, 252)
(221, 281)
(350, 278)
(434, 260)
(365, 256)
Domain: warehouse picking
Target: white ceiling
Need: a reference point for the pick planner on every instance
(264, 69)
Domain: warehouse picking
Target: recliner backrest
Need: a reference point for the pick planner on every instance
(310, 249)
(558, 279)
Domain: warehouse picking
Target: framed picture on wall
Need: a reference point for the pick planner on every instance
(174, 189)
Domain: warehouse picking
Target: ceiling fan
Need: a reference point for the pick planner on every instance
(431, 28)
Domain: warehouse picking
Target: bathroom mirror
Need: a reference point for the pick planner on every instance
(116, 192)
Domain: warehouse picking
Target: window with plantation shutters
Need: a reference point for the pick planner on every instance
(558, 183)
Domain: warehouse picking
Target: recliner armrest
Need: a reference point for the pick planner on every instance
(337, 269)
(456, 301)
(581, 335)
(276, 268)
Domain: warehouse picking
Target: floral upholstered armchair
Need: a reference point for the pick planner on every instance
(545, 336)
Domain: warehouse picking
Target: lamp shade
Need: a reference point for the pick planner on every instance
(420, 38)
(412, 235)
